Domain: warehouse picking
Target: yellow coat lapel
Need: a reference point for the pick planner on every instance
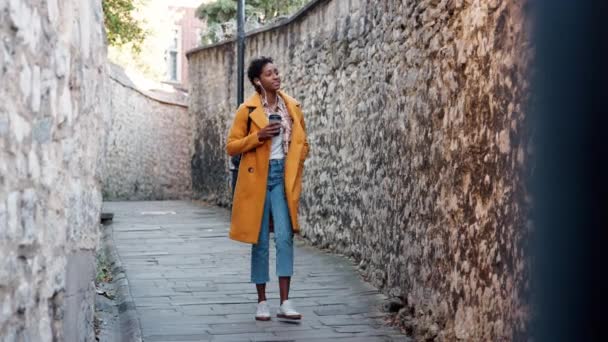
(258, 116)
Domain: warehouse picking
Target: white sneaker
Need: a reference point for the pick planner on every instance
(262, 313)
(287, 311)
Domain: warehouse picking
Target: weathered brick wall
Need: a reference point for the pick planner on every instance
(415, 115)
(149, 148)
(52, 72)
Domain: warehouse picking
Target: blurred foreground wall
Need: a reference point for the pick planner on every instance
(52, 109)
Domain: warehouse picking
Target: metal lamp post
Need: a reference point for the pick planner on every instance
(240, 51)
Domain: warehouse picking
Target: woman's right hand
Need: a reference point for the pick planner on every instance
(269, 131)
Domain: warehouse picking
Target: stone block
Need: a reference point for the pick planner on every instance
(41, 131)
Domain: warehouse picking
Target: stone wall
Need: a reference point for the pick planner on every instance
(149, 147)
(212, 76)
(415, 116)
(52, 72)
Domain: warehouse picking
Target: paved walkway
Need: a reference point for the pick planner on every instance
(190, 282)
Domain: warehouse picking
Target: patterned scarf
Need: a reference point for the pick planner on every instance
(286, 121)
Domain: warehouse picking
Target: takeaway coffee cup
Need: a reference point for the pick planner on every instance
(274, 118)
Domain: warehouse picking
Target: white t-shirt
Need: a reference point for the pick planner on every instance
(276, 147)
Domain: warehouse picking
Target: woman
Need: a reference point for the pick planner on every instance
(269, 180)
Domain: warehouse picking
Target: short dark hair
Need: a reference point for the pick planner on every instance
(255, 68)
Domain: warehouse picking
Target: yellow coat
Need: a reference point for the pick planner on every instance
(250, 192)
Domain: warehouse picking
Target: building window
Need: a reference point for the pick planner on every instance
(173, 66)
(173, 57)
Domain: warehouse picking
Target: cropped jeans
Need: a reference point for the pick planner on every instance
(275, 205)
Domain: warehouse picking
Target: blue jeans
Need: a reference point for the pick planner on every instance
(275, 204)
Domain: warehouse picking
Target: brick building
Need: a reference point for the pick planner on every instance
(186, 35)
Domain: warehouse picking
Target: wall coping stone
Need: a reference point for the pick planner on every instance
(117, 74)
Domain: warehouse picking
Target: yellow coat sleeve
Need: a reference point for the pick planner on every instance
(239, 140)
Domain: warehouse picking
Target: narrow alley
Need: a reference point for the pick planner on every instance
(189, 282)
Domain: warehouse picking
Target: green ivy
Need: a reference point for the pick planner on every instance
(121, 26)
(220, 12)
